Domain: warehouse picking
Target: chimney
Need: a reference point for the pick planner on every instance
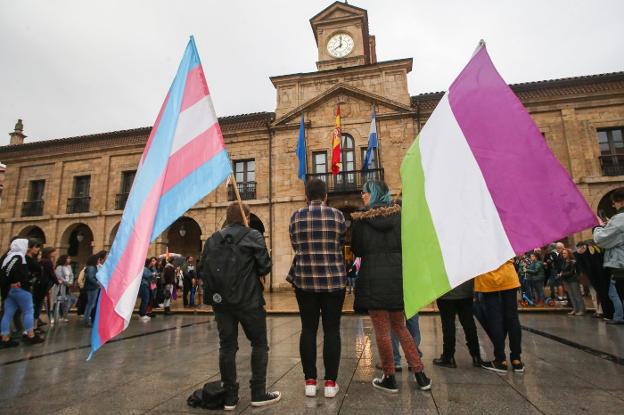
(17, 136)
(372, 49)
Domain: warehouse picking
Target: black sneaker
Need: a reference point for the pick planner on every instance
(476, 361)
(445, 362)
(518, 366)
(33, 340)
(9, 343)
(230, 403)
(500, 367)
(386, 383)
(267, 399)
(424, 383)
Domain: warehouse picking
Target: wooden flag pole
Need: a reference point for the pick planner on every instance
(240, 202)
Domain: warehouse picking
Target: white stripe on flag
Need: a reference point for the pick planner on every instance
(125, 305)
(192, 122)
(466, 221)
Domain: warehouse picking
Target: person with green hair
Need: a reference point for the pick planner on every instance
(376, 238)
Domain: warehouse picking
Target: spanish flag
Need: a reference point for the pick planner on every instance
(336, 137)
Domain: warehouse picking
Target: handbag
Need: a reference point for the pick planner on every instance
(211, 396)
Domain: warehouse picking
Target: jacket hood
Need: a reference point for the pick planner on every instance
(380, 218)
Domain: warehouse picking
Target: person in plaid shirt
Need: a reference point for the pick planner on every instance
(319, 276)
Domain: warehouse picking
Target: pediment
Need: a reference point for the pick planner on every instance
(337, 10)
(384, 105)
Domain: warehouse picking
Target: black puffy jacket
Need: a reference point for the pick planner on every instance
(376, 238)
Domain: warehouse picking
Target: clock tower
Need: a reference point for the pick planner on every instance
(341, 33)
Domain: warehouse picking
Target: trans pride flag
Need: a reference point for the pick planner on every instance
(184, 159)
(480, 185)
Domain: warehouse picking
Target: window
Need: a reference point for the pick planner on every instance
(245, 173)
(320, 162)
(347, 158)
(127, 178)
(611, 143)
(33, 206)
(81, 186)
(36, 190)
(373, 163)
(80, 200)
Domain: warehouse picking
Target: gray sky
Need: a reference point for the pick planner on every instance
(82, 67)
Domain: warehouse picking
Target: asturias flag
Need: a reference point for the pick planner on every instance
(480, 185)
(301, 151)
(372, 142)
(184, 159)
(336, 137)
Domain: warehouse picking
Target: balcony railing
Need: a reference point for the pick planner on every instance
(32, 208)
(120, 200)
(612, 165)
(78, 204)
(347, 181)
(247, 191)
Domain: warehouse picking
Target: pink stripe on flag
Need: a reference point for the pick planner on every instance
(195, 88)
(114, 322)
(154, 129)
(535, 197)
(193, 155)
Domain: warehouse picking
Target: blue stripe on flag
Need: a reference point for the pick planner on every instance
(372, 142)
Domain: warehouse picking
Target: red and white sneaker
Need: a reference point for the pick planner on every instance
(331, 389)
(310, 388)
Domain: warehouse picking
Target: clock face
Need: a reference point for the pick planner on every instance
(340, 45)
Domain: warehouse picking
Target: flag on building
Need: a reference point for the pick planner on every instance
(480, 185)
(301, 151)
(372, 142)
(336, 137)
(184, 159)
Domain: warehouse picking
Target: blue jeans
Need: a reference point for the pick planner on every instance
(618, 313)
(92, 296)
(17, 299)
(414, 329)
(144, 294)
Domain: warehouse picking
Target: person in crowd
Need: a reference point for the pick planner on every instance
(65, 280)
(610, 236)
(376, 238)
(188, 273)
(535, 279)
(499, 290)
(92, 287)
(16, 281)
(4, 291)
(351, 273)
(318, 274)
(169, 272)
(570, 280)
(552, 264)
(458, 302)
(153, 267)
(34, 269)
(45, 283)
(144, 290)
(592, 262)
(233, 262)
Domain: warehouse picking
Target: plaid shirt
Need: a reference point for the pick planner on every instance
(317, 234)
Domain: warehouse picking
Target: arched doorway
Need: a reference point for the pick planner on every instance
(78, 242)
(184, 237)
(112, 236)
(605, 206)
(33, 232)
(256, 223)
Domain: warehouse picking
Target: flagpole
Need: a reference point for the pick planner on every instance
(238, 198)
(378, 140)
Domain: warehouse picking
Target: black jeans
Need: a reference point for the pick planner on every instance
(186, 290)
(313, 305)
(502, 318)
(463, 309)
(254, 325)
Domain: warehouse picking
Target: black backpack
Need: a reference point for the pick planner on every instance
(221, 269)
(211, 396)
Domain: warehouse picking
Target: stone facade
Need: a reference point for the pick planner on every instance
(569, 112)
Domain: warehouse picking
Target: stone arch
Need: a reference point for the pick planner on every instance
(184, 237)
(77, 242)
(111, 235)
(33, 232)
(604, 208)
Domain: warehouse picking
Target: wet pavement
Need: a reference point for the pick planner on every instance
(573, 365)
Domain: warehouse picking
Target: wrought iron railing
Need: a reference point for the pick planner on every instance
(32, 208)
(78, 204)
(347, 181)
(247, 191)
(120, 200)
(612, 165)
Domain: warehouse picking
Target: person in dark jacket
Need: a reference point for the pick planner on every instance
(247, 307)
(458, 302)
(169, 280)
(15, 275)
(570, 279)
(376, 238)
(144, 288)
(589, 259)
(92, 287)
(45, 283)
(535, 279)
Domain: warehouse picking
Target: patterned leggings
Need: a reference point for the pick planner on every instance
(383, 323)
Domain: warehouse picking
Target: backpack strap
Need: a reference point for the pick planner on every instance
(234, 238)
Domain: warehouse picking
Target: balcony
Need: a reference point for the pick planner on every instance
(612, 165)
(78, 204)
(347, 181)
(247, 191)
(32, 208)
(120, 200)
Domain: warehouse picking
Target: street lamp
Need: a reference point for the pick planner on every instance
(182, 231)
(79, 237)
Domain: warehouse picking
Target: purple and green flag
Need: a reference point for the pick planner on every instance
(480, 185)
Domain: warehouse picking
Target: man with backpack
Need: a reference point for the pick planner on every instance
(232, 263)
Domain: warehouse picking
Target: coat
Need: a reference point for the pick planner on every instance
(501, 279)
(611, 238)
(376, 238)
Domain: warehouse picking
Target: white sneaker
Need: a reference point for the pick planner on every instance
(331, 389)
(145, 318)
(310, 388)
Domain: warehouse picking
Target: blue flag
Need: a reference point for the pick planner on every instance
(301, 151)
(372, 142)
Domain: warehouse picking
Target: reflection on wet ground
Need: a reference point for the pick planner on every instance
(154, 366)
